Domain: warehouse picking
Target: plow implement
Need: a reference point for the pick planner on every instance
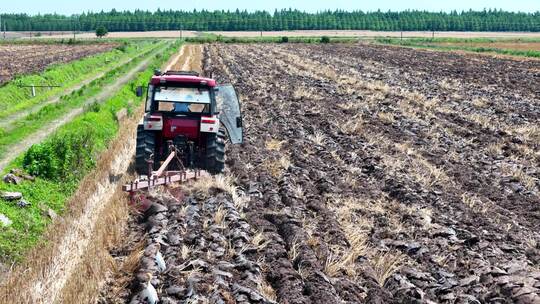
(162, 176)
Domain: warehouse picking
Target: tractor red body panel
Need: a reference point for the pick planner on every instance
(186, 126)
(175, 121)
(174, 126)
(187, 79)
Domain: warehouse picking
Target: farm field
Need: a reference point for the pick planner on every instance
(299, 33)
(20, 59)
(522, 47)
(509, 45)
(370, 174)
(196, 153)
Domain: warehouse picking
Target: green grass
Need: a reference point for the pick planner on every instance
(14, 99)
(33, 122)
(100, 122)
(433, 44)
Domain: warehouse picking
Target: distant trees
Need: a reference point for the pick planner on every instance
(101, 31)
(287, 19)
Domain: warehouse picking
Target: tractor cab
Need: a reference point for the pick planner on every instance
(194, 114)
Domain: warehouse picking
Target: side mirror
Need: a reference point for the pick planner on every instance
(139, 91)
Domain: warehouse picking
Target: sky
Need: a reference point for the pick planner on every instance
(68, 7)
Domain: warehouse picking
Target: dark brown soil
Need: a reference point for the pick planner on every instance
(375, 175)
(24, 59)
(442, 168)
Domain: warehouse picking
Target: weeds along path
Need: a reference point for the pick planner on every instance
(49, 128)
(7, 122)
(376, 179)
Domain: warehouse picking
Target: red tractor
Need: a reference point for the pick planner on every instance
(191, 115)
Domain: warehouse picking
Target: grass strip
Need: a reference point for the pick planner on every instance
(94, 129)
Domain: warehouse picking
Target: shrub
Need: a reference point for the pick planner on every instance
(63, 157)
(92, 107)
(101, 31)
(122, 48)
(284, 39)
(325, 39)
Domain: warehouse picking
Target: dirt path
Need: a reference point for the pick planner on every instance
(52, 126)
(173, 61)
(189, 59)
(7, 122)
(194, 58)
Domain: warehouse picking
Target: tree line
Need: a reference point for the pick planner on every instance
(279, 20)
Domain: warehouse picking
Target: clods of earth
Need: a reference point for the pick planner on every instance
(369, 174)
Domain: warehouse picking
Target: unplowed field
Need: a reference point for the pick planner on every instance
(369, 174)
(25, 59)
(522, 46)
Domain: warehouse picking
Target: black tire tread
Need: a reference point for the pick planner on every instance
(215, 152)
(145, 148)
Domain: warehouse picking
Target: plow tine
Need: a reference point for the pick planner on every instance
(156, 178)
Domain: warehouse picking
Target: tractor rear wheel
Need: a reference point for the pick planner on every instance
(215, 152)
(146, 146)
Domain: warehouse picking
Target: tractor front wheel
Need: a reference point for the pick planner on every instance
(146, 146)
(215, 152)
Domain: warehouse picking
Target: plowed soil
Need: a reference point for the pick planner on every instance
(24, 59)
(369, 174)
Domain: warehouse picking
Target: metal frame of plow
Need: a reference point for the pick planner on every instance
(171, 177)
(162, 176)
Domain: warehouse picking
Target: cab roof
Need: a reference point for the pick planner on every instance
(179, 79)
